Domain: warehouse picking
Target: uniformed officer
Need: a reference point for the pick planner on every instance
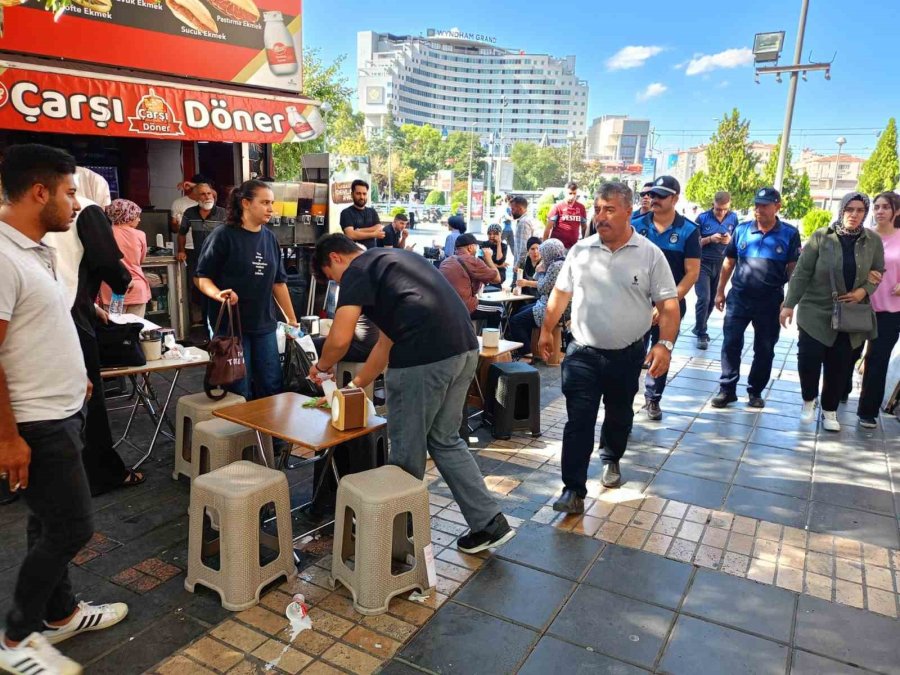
(679, 240)
(716, 227)
(761, 256)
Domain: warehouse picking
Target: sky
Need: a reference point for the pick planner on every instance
(681, 65)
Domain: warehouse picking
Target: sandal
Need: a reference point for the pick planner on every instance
(133, 478)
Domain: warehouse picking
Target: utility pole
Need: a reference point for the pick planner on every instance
(792, 96)
(837, 163)
(490, 175)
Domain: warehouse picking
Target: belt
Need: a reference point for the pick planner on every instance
(612, 352)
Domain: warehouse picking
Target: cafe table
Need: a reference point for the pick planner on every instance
(507, 299)
(283, 416)
(145, 394)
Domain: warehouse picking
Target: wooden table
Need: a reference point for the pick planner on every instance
(507, 299)
(146, 396)
(284, 417)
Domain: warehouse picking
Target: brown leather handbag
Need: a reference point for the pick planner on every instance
(226, 355)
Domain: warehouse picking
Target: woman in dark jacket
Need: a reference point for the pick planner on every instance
(842, 255)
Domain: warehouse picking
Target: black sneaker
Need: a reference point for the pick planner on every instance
(497, 533)
(703, 343)
(868, 422)
(756, 402)
(722, 399)
(653, 411)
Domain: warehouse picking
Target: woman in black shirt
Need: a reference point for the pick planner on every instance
(527, 267)
(241, 263)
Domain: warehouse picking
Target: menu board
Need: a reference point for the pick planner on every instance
(252, 42)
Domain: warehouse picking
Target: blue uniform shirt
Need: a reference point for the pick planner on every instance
(761, 260)
(637, 214)
(709, 225)
(679, 241)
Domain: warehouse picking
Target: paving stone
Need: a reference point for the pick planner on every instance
(700, 648)
(712, 468)
(761, 571)
(767, 506)
(640, 575)
(657, 543)
(214, 654)
(354, 660)
(181, 665)
(394, 628)
(682, 549)
(517, 593)
(847, 634)
(853, 496)
(735, 564)
(869, 528)
(783, 480)
(699, 491)
(550, 653)
(497, 646)
(701, 445)
(238, 635)
(613, 630)
(882, 602)
(804, 663)
(548, 549)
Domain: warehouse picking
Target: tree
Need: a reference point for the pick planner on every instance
(456, 152)
(881, 171)
(802, 202)
(421, 150)
(796, 200)
(814, 220)
(537, 167)
(434, 198)
(731, 164)
(699, 191)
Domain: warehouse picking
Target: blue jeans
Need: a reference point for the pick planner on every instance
(655, 386)
(263, 363)
(705, 288)
(763, 314)
(589, 375)
(426, 404)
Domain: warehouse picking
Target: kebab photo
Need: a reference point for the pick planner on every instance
(194, 14)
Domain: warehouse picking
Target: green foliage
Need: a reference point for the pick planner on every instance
(397, 210)
(434, 198)
(537, 167)
(814, 220)
(421, 150)
(456, 149)
(699, 191)
(731, 164)
(882, 170)
(548, 198)
(801, 201)
(543, 212)
(455, 205)
(460, 196)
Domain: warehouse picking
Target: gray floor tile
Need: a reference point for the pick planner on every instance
(782, 423)
(697, 374)
(514, 592)
(854, 496)
(640, 575)
(548, 549)
(701, 466)
(871, 528)
(613, 625)
(704, 445)
(397, 667)
(688, 489)
(786, 385)
(747, 605)
(766, 455)
(660, 437)
(709, 428)
(701, 648)
(848, 634)
(645, 455)
(777, 508)
(785, 481)
(552, 655)
(732, 414)
(804, 663)
(799, 441)
(462, 640)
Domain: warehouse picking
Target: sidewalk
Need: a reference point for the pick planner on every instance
(741, 542)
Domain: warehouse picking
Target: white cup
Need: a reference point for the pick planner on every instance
(152, 349)
(490, 337)
(324, 327)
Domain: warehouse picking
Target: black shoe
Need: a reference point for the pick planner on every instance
(569, 502)
(864, 422)
(756, 402)
(703, 343)
(496, 533)
(611, 477)
(653, 411)
(722, 399)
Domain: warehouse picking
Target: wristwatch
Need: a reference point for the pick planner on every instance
(668, 344)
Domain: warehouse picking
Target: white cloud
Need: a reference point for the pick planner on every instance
(679, 66)
(723, 84)
(631, 57)
(730, 58)
(652, 90)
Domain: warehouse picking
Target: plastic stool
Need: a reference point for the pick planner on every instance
(189, 412)
(217, 443)
(344, 373)
(555, 350)
(513, 399)
(372, 542)
(237, 493)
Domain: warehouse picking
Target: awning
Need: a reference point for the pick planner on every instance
(37, 97)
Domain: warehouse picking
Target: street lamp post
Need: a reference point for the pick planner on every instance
(837, 162)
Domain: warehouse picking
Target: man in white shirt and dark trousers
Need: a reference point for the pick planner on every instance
(613, 280)
(42, 413)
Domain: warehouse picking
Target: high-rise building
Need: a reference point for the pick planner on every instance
(618, 138)
(464, 82)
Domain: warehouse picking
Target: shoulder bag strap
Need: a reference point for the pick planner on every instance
(219, 318)
(834, 291)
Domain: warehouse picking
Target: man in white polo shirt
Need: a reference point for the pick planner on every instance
(613, 279)
(41, 413)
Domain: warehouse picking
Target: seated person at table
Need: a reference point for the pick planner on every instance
(467, 274)
(396, 233)
(457, 225)
(501, 253)
(553, 255)
(365, 336)
(527, 266)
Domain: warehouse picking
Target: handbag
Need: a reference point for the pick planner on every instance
(119, 345)
(848, 317)
(226, 356)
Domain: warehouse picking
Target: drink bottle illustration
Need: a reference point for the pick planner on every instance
(279, 43)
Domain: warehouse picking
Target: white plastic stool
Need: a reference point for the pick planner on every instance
(217, 443)
(189, 412)
(344, 373)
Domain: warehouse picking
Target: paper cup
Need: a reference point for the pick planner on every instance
(490, 337)
(152, 349)
(324, 327)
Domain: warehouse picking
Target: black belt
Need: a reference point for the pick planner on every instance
(612, 352)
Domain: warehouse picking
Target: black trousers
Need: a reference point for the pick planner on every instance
(833, 364)
(877, 360)
(589, 375)
(491, 318)
(655, 386)
(60, 523)
(105, 469)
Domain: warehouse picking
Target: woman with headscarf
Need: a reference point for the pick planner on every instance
(125, 216)
(457, 225)
(886, 303)
(842, 256)
(527, 267)
(553, 255)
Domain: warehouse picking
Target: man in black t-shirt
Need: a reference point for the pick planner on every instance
(428, 342)
(360, 222)
(396, 233)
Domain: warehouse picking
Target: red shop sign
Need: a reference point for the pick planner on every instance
(36, 100)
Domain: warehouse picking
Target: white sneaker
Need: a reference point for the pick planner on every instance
(87, 617)
(35, 655)
(829, 420)
(809, 412)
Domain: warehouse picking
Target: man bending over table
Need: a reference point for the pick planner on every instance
(428, 341)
